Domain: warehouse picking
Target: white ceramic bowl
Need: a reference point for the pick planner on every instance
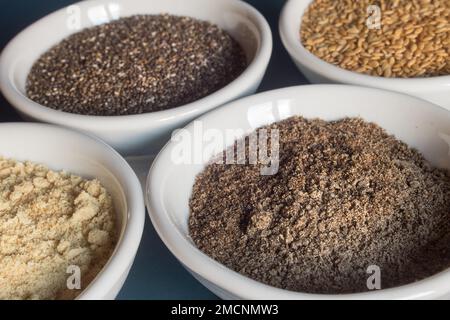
(64, 149)
(435, 89)
(417, 122)
(146, 133)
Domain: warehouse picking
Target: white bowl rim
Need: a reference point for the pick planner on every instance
(290, 36)
(46, 114)
(216, 273)
(129, 242)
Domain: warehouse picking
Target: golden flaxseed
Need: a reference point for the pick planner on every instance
(413, 39)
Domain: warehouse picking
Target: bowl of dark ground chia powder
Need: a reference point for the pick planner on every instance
(356, 204)
(132, 71)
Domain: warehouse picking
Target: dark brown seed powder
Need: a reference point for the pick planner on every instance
(347, 195)
(138, 64)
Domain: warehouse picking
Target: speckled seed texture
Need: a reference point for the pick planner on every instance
(134, 65)
(387, 38)
(347, 196)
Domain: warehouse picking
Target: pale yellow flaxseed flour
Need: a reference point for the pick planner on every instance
(49, 221)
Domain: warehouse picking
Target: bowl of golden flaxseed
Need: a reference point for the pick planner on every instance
(399, 45)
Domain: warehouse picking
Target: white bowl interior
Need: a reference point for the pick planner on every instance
(63, 150)
(226, 14)
(418, 123)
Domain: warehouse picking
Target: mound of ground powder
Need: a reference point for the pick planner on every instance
(48, 222)
(347, 196)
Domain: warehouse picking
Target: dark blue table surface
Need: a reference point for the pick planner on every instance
(156, 274)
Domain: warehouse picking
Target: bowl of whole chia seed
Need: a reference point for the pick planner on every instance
(306, 195)
(400, 45)
(132, 71)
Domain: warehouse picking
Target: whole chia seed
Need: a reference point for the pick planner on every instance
(347, 196)
(133, 65)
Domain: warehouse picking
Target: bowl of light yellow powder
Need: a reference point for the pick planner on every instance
(71, 215)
